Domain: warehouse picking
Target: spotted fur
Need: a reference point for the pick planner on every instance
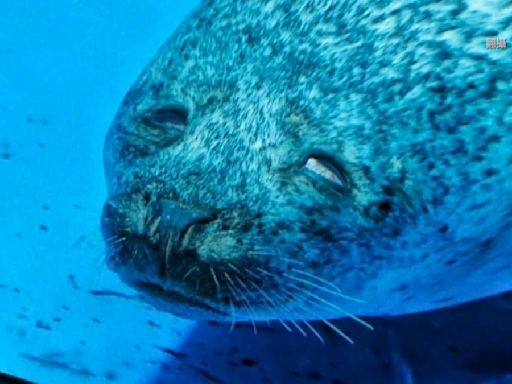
(403, 96)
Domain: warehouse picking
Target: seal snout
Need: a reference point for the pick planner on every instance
(156, 221)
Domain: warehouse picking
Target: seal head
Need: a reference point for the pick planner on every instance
(288, 159)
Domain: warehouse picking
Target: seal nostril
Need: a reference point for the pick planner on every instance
(181, 218)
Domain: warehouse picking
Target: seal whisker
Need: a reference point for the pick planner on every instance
(322, 288)
(271, 304)
(154, 226)
(244, 288)
(299, 328)
(166, 259)
(294, 314)
(260, 253)
(251, 273)
(241, 296)
(295, 324)
(265, 272)
(168, 248)
(296, 299)
(289, 260)
(231, 265)
(320, 318)
(312, 284)
(233, 293)
(108, 254)
(217, 285)
(331, 305)
(233, 316)
(337, 330)
(189, 272)
(327, 283)
(314, 331)
(263, 248)
(98, 270)
(284, 307)
(116, 239)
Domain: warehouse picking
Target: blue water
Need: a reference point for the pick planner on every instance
(64, 68)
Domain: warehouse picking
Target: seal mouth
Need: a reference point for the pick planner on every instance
(157, 291)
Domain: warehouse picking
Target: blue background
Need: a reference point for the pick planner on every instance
(64, 68)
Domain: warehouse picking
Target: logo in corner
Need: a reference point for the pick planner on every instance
(496, 43)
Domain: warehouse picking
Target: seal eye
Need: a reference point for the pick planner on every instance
(158, 128)
(171, 117)
(328, 170)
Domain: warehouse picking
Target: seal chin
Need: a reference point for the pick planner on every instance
(140, 265)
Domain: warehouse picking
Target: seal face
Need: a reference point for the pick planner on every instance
(288, 159)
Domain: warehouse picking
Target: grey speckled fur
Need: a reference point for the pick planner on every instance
(404, 97)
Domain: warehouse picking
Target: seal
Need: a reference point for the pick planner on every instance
(315, 159)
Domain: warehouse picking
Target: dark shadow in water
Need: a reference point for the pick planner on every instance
(9, 379)
(468, 344)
